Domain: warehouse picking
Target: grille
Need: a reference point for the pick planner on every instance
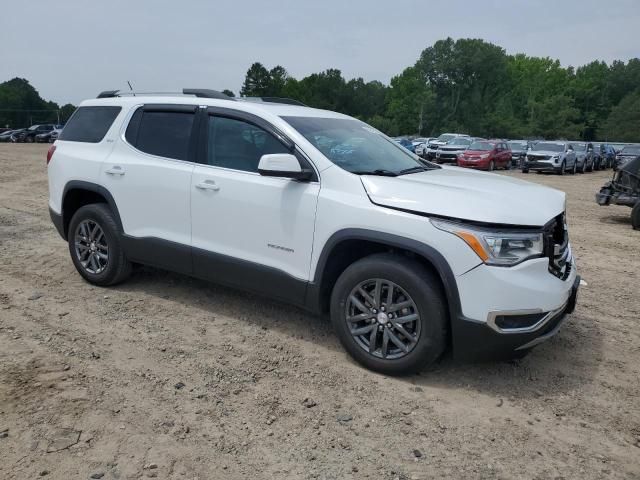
(556, 240)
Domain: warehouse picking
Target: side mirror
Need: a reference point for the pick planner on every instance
(283, 165)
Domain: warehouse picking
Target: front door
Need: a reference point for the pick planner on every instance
(248, 230)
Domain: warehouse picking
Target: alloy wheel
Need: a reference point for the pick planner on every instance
(383, 318)
(91, 247)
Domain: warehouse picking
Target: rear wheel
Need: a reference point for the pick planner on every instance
(635, 216)
(95, 247)
(389, 314)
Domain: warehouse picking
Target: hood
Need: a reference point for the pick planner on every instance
(467, 195)
(543, 153)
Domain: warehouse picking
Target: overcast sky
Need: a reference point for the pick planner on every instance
(72, 49)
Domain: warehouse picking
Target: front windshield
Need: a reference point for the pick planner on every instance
(548, 147)
(517, 145)
(481, 146)
(355, 146)
(445, 137)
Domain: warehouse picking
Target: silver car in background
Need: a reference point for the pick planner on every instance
(557, 157)
(448, 153)
(434, 145)
(584, 156)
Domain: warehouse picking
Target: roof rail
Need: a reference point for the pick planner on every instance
(206, 93)
(283, 100)
(198, 92)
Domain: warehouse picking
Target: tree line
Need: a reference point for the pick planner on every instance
(473, 86)
(22, 106)
(466, 85)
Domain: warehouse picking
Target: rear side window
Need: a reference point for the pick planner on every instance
(89, 124)
(162, 133)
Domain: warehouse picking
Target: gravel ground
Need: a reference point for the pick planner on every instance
(169, 377)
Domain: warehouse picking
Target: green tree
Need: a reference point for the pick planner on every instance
(257, 81)
(228, 93)
(623, 123)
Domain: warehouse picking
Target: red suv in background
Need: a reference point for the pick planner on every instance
(486, 155)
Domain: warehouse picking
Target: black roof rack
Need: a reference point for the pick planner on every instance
(108, 94)
(198, 92)
(206, 93)
(283, 100)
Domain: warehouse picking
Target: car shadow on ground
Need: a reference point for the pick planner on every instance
(563, 364)
(616, 218)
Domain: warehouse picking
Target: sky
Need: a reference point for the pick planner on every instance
(71, 50)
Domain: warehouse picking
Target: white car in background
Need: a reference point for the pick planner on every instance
(434, 145)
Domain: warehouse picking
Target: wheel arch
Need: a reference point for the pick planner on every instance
(78, 193)
(348, 245)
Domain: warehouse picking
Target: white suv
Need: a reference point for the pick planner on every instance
(317, 209)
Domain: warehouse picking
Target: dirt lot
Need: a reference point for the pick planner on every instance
(169, 377)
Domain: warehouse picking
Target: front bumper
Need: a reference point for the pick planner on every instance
(480, 164)
(542, 166)
(526, 293)
(477, 341)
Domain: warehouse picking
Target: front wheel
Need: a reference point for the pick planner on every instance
(389, 314)
(575, 167)
(492, 166)
(563, 168)
(95, 247)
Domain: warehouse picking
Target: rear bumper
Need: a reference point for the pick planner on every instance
(474, 340)
(58, 222)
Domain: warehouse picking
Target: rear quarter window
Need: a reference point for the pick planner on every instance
(161, 133)
(89, 124)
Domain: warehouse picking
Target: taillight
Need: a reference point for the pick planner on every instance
(52, 149)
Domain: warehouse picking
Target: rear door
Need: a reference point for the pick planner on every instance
(249, 230)
(149, 176)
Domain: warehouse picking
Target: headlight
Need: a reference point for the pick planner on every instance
(496, 247)
(484, 155)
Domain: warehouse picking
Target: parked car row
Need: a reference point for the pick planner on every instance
(560, 156)
(44, 133)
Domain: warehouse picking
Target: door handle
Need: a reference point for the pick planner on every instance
(116, 170)
(208, 185)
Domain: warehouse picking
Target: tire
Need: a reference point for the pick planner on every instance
(635, 216)
(563, 168)
(409, 278)
(29, 140)
(525, 170)
(575, 167)
(584, 167)
(116, 267)
(492, 166)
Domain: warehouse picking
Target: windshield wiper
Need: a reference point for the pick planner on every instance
(415, 169)
(381, 172)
